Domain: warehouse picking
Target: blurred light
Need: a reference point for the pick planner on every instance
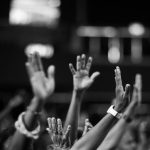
(46, 51)
(88, 31)
(109, 32)
(35, 12)
(114, 50)
(136, 50)
(19, 17)
(136, 29)
(93, 31)
(114, 55)
(54, 3)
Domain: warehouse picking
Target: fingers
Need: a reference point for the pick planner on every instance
(30, 69)
(94, 75)
(52, 130)
(54, 125)
(59, 131)
(85, 127)
(119, 87)
(67, 131)
(49, 120)
(34, 63)
(38, 62)
(81, 64)
(51, 71)
(85, 130)
(59, 127)
(88, 126)
(135, 95)
(78, 63)
(118, 76)
(72, 69)
(66, 143)
(83, 59)
(89, 64)
(127, 89)
(127, 93)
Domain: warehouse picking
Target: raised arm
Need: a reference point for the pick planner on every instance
(28, 126)
(95, 136)
(81, 82)
(115, 134)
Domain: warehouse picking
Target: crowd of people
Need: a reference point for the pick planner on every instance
(119, 129)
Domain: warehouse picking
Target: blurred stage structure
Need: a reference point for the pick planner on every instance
(126, 45)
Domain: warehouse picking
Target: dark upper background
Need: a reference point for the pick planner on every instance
(73, 13)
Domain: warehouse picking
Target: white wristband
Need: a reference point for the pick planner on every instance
(19, 124)
(114, 112)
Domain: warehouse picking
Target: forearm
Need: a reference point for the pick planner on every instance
(30, 122)
(30, 117)
(96, 135)
(73, 114)
(114, 136)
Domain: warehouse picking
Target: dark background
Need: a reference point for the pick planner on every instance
(13, 40)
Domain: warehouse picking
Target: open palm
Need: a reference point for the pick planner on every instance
(42, 86)
(60, 139)
(122, 96)
(81, 79)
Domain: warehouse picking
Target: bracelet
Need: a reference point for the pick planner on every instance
(113, 112)
(20, 126)
(127, 118)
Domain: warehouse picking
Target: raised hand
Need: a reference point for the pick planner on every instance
(136, 97)
(81, 79)
(42, 86)
(60, 139)
(122, 96)
(88, 126)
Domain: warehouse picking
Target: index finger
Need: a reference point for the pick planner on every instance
(89, 63)
(49, 120)
(59, 128)
(38, 61)
(118, 76)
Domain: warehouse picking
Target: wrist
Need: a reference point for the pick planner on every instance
(118, 109)
(36, 104)
(79, 93)
(127, 118)
(113, 112)
(79, 90)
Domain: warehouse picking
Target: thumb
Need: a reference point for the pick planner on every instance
(94, 75)
(127, 91)
(67, 133)
(51, 71)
